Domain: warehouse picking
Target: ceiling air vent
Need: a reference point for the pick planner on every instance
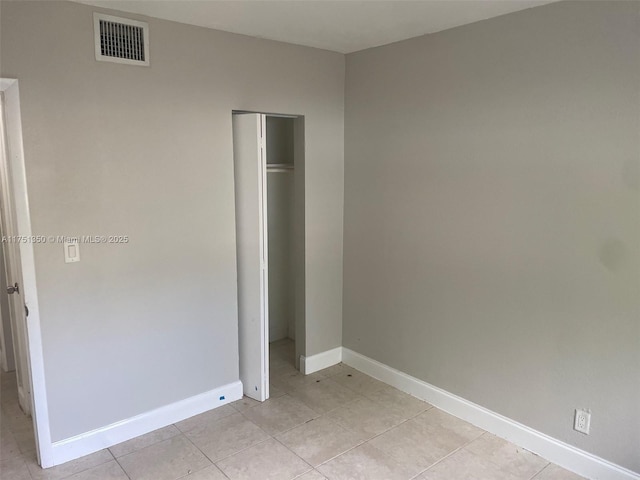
(121, 40)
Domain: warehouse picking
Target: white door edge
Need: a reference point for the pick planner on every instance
(35, 357)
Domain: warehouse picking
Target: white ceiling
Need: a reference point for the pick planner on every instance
(343, 26)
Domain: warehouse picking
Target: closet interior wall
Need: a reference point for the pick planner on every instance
(280, 219)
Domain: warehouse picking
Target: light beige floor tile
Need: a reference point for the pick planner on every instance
(282, 351)
(506, 455)
(278, 358)
(285, 346)
(359, 382)
(418, 445)
(24, 437)
(227, 436)
(267, 460)
(14, 468)
(279, 414)
(12, 409)
(288, 382)
(8, 381)
(459, 450)
(8, 445)
(70, 468)
(19, 422)
(206, 417)
(9, 395)
(312, 475)
(209, 473)
(144, 441)
(278, 361)
(9, 399)
(324, 395)
(436, 417)
(365, 417)
(282, 370)
(275, 392)
(364, 463)
(319, 440)
(168, 460)
(8, 378)
(106, 471)
(554, 472)
(13, 414)
(31, 456)
(337, 369)
(18, 425)
(402, 403)
(7, 388)
(286, 350)
(468, 466)
(244, 403)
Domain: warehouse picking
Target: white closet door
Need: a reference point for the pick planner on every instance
(249, 154)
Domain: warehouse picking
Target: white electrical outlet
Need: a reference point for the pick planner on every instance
(582, 421)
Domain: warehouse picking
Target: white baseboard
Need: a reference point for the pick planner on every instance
(556, 451)
(104, 437)
(321, 360)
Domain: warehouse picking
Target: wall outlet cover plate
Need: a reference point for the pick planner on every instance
(582, 421)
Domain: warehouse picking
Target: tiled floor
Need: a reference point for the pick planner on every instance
(17, 443)
(334, 424)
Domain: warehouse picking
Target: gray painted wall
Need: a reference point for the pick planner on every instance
(492, 216)
(147, 152)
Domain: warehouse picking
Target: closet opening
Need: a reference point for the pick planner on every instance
(280, 240)
(269, 190)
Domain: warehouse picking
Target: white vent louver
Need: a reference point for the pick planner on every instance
(121, 40)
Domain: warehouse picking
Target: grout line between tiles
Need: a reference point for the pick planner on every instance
(236, 453)
(311, 466)
(324, 415)
(360, 396)
(446, 456)
(497, 464)
(363, 441)
(120, 465)
(539, 471)
(207, 457)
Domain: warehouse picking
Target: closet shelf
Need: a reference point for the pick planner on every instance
(279, 167)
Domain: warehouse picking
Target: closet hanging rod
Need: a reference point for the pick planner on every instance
(279, 167)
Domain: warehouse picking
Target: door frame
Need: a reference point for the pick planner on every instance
(12, 167)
